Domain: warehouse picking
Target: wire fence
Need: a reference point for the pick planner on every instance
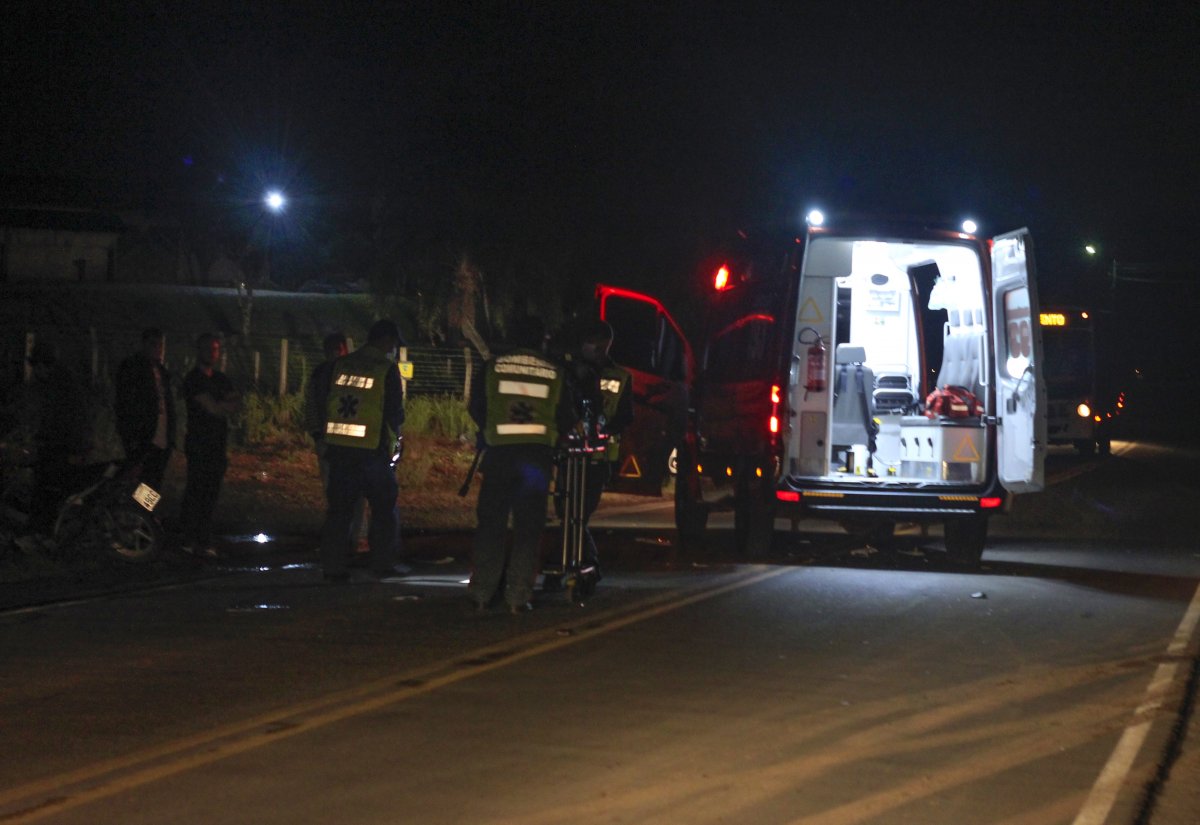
(259, 363)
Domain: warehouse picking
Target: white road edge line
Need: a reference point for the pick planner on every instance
(1103, 796)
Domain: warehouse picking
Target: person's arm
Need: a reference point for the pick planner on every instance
(477, 407)
(393, 401)
(623, 416)
(318, 398)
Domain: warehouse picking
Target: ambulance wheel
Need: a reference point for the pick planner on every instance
(965, 540)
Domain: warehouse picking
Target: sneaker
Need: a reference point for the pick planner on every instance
(394, 573)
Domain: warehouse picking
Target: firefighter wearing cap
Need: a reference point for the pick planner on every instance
(598, 377)
(520, 405)
(364, 410)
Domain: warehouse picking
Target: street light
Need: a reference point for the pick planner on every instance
(275, 200)
(1090, 249)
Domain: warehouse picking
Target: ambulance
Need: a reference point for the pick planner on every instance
(867, 372)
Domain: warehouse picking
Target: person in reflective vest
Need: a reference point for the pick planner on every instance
(520, 405)
(598, 377)
(364, 410)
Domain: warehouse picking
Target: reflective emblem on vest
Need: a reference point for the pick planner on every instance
(362, 382)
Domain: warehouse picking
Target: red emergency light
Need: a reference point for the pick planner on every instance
(721, 281)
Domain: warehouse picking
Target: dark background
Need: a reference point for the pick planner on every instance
(614, 141)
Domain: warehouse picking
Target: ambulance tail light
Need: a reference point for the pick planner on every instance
(787, 495)
(773, 421)
(990, 502)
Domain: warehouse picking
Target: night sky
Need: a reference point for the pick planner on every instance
(620, 136)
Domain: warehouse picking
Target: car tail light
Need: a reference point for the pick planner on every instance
(787, 495)
(990, 502)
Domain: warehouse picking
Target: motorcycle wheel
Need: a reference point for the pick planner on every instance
(132, 534)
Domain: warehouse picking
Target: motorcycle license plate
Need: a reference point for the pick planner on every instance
(146, 496)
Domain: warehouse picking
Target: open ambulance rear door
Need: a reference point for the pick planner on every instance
(1017, 368)
(648, 343)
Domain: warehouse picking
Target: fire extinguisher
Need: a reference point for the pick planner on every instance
(817, 377)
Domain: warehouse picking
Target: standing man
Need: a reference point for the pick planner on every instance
(210, 402)
(521, 408)
(63, 438)
(599, 378)
(145, 409)
(364, 412)
(316, 401)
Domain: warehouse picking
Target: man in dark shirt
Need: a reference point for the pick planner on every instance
(211, 400)
(145, 409)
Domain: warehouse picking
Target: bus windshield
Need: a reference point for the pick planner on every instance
(1069, 361)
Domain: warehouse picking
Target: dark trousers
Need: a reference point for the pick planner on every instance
(597, 476)
(352, 478)
(152, 462)
(516, 481)
(205, 472)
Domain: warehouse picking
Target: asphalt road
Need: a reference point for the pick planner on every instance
(837, 683)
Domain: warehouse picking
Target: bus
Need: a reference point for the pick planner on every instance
(1080, 410)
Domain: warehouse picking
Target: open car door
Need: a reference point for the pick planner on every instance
(648, 343)
(1020, 390)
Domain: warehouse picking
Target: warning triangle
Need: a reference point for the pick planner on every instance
(630, 468)
(810, 313)
(965, 451)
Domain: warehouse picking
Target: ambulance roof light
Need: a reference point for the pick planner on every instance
(816, 218)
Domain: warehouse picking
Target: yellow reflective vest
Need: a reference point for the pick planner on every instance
(614, 380)
(523, 390)
(354, 409)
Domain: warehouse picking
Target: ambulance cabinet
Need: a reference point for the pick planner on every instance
(942, 449)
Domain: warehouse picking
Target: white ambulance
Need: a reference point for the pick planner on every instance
(868, 372)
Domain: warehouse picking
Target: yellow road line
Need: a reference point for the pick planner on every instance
(54, 794)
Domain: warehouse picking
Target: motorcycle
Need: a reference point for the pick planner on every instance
(108, 511)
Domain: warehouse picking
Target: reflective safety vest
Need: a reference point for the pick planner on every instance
(523, 391)
(614, 380)
(354, 411)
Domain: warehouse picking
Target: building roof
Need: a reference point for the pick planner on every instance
(66, 220)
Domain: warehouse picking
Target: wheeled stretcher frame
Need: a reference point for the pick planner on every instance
(577, 577)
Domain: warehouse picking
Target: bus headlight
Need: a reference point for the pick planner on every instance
(1083, 410)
